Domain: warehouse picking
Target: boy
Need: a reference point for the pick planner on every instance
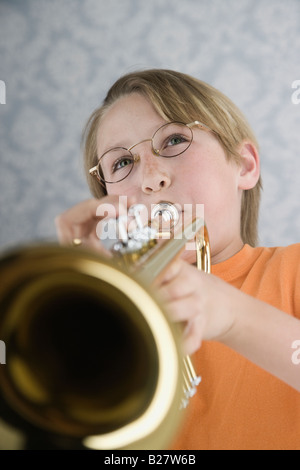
(240, 323)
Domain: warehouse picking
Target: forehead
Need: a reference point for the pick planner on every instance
(130, 118)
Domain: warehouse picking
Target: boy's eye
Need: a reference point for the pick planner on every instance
(122, 163)
(116, 164)
(176, 139)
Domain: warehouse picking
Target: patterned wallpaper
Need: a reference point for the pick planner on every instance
(58, 57)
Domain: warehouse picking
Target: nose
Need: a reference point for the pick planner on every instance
(155, 177)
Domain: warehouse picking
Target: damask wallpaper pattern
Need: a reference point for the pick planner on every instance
(58, 57)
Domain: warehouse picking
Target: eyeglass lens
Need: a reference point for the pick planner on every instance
(170, 140)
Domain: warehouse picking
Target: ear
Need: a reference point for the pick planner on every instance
(249, 165)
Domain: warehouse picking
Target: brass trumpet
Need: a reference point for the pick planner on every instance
(92, 360)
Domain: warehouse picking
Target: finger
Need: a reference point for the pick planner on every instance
(80, 221)
(77, 221)
(114, 206)
(192, 337)
(113, 224)
(181, 310)
(168, 274)
(182, 280)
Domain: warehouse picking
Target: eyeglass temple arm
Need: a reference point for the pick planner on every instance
(93, 171)
(198, 123)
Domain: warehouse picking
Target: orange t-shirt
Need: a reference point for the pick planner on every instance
(239, 406)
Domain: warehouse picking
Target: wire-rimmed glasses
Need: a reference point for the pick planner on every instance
(169, 140)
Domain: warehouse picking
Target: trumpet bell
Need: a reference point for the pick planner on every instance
(91, 356)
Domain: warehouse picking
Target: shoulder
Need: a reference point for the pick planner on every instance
(285, 255)
(282, 261)
(275, 275)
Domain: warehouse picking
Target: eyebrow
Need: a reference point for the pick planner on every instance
(111, 148)
(129, 146)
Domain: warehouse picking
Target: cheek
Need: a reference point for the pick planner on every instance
(112, 190)
(121, 190)
(211, 181)
(197, 178)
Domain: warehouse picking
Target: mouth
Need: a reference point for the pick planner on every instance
(166, 210)
(165, 216)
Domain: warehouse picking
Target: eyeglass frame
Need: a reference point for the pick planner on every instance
(94, 171)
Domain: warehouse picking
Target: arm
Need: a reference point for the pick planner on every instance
(211, 309)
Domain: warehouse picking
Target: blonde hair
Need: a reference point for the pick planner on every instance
(180, 97)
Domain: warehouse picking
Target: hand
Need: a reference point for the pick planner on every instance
(84, 220)
(202, 302)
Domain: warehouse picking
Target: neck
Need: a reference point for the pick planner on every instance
(217, 255)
